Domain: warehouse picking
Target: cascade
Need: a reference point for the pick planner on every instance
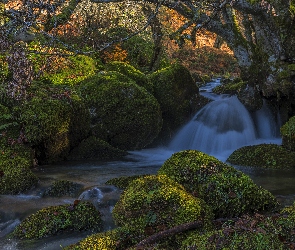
(222, 125)
(266, 123)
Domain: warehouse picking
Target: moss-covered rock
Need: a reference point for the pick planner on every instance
(123, 114)
(131, 72)
(227, 191)
(177, 94)
(154, 203)
(62, 188)
(110, 240)
(56, 219)
(257, 232)
(55, 120)
(288, 134)
(263, 155)
(16, 158)
(95, 148)
(16, 176)
(230, 87)
(274, 231)
(285, 223)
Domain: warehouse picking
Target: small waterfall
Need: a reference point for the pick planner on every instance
(266, 123)
(222, 125)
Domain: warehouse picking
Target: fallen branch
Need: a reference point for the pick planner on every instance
(169, 232)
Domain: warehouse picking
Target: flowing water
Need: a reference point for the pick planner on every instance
(218, 129)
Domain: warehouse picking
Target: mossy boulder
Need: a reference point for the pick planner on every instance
(227, 191)
(248, 232)
(131, 72)
(230, 87)
(123, 114)
(95, 148)
(177, 94)
(263, 155)
(288, 134)
(110, 240)
(57, 219)
(154, 203)
(250, 98)
(63, 188)
(16, 158)
(54, 123)
(275, 231)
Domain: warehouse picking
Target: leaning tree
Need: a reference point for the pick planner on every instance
(260, 33)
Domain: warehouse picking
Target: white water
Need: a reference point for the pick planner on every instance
(219, 128)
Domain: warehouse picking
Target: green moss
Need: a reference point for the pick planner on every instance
(111, 240)
(230, 88)
(123, 181)
(94, 148)
(257, 232)
(140, 52)
(177, 93)
(69, 69)
(56, 219)
(15, 157)
(55, 120)
(16, 176)
(131, 72)
(288, 134)
(227, 191)
(77, 68)
(62, 188)
(263, 155)
(123, 114)
(153, 203)
(249, 232)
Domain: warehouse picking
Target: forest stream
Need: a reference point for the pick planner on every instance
(218, 129)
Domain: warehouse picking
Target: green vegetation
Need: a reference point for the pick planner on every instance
(177, 94)
(68, 69)
(263, 155)
(154, 203)
(249, 232)
(55, 119)
(109, 240)
(56, 219)
(231, 87)
(288, 134)
(62, 188)
(131, 72)
(95, 148)
(16, 159)
(227, 191)
(123, 114)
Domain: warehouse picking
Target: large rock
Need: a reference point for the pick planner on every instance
(56, 219)
(16, 158)
(177, 94)
(288, 134)
(263, 155)
(54, 123)
(154, 203)
(227, 191)
(123, 114)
